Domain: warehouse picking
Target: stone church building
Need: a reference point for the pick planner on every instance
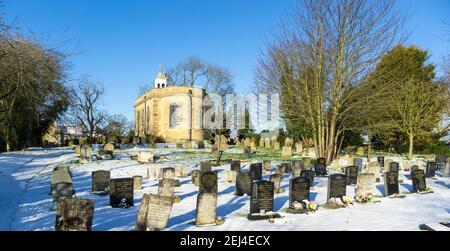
(168, 113)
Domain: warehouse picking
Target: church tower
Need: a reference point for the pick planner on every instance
(161, 79)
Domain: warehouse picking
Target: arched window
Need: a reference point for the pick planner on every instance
(174, 119)
(158, 85)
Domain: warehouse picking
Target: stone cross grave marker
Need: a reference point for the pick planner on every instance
(74, 215)
(337, 186)
(206, 209)
(121, 193)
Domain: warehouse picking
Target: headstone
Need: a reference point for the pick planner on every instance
(235, 165)
(158, 211)
(296, 171)
(243, 183)
(418, 181)
(298, 164)
(299, 190)
(446, 171)
(206, 209)
(168, 173)
(287, 167)
(413, 168)
(179, 146)
(441, 159)
(431, 169)
(247, 150)
(266, 143)
(195, 175)
(374, 167)
(189, 145)
(261, 200)
(280, 169)
(77, 150)
(381, 161)
(166, 188)
(394, 167)
(365, 184)
(208, 182)
(62, 190)
(256, 169)
(266, 165)
(121, 193)
(351, 173)
(358, 162)
(276, 145)
(205, 166)
(85, 154)
(276, 180)
(145, 156)
(152, 173)
(230, 176)
(137, 182)
(390, 183)
(320, 170)
(337, 187)
(360, 151)
(309, 175)
(100, 181)
(299, 148)
(109, 147)
(405, 165)
(286, 152)
(74, 215)
(306, 162)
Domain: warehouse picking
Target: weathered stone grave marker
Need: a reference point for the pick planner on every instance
(74, 215)
(208, 182)
(276, 180)
(351, 173)
(154, 212)
(206, 209)
(195, 177)
(243, 183)
(418, 181)
(100, 181)
(309, 175)
(121, 193)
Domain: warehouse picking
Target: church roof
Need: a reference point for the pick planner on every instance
(161, 75)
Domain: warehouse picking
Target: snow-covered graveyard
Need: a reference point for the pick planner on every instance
(26, 202)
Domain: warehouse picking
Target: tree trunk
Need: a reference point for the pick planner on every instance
(369, 148)
(411, 146)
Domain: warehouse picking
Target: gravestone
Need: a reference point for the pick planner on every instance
(431, 169)
(309, 175)
(296, 171)
(267, 143)
(418, 181)
(145, 156)
(109, 147)
(77, 150)
(61, 175)
(208, 182)
(166, 188)
(380, 160)
(201, 144)
(195, 176)
(287, 167)
(189, 145)
(141, 222)
(235, 165)
(276, 146)
(261, 200)
(441, 160)
(74, 215)
(205, 166)
(280, 169)
(168, 173)
(414, 167)
(62, 190)
(394, 167)
(360, 151)
(299, 148)
(152, 173)
(276, 180)
(405, 165)
(179, 146)
(243, 183)
(299, 190)
(365, 183)
(100, 181)
(351, 173)
(286, 152)
(137, 182)
(261, 143)
(320, 170)
(85, 154)
(266, 165)
(390, 183)
(306, 163)
(158, 211)
(121, 193)
(256, 169)
(446, 171)
(374, 167)
(206, 209)
(322, 161)
(230, 176)
(247, 150)
(297, 164)
(337, 187)
(358, 162)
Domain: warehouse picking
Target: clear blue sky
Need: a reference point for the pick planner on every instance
(122, 42)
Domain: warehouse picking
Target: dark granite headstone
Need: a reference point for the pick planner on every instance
(414, 167)
(358, 162)
(380, 160)
(418, 181)
(235, 165)
(309, 175)
(298, 190)
(74, 215)
(320, 170)
(431, 169)
(243, 183)
(351, 172)
(121, 193)
(261, 197)
(390, 183)
(337, 186)
(394, 167)
(256, 169)
(322, 161)
(205, 166)
(100, 181)
(208, 182)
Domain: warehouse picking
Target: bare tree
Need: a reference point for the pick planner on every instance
(320, 61)
(85, 106)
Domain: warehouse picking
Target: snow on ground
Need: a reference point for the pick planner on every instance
(25, 202)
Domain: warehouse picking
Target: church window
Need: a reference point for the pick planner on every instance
(174, 116)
